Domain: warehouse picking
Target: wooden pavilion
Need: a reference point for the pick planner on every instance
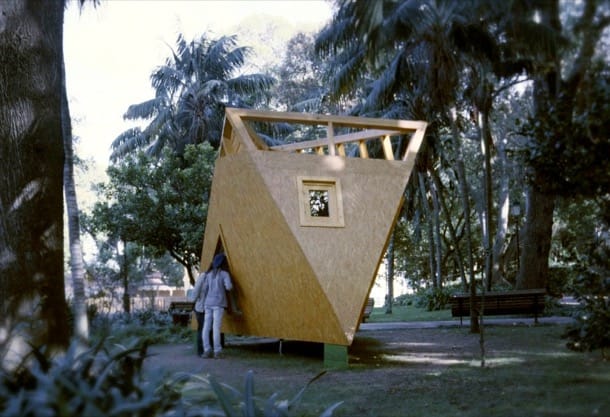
(305, 224)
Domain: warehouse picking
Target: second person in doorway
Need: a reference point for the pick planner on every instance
(215, 286)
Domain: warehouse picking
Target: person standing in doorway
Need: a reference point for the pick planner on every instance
(199, 310)
(215, 286)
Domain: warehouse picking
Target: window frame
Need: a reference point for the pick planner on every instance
(332, 186)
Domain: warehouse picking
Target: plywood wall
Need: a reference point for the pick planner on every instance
(294, 282)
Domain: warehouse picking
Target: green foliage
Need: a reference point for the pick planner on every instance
(404, 300)
(154, 327)
(570, 155)
(592, 289)
(433, 298)
(192, 89)
(158, 203)
(105, 380)
(560, 280)
(592, 329)
(233, 403)
(108, 380)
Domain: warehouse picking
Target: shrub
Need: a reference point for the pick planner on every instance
(560, 280)
(234, 403)
(108, 380)
(433, 299)
(404, 300)
(103, 380)
(152, 326)
(592, 289)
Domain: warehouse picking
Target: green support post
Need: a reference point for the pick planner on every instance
(335, 356)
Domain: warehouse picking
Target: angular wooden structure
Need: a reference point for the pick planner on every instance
(305, 225)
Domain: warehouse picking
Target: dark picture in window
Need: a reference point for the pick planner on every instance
(318, 203)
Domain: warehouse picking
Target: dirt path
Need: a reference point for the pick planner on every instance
(412, 371)
(378, 344)
(388, 349)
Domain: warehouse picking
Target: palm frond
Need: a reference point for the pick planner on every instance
(144, 110)
(127, 143)
(166, 80)
(310, 105)
(384, 85)
(251, 83)
(350, 70)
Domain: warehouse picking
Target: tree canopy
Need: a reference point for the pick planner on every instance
(192, 89)
(159, 203)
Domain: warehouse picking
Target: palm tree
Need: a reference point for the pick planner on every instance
(412, 48)
(77, 265)
(192, 90)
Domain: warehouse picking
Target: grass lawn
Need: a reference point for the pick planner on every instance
(424, 372)
(437, 372)
(408, 313)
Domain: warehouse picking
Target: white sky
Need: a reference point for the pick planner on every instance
(110, 52)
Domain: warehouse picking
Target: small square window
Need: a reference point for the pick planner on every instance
(320, 202)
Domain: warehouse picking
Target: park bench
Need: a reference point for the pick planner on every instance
(500, 303)
(181, 312)
(368, 309)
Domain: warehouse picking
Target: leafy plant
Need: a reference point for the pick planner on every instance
(105, 380)
(108, 380)
(433, 298)
(592, 289)
(234, 403)
(404, 300)
(153, 326)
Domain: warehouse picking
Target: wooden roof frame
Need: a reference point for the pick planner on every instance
(373, 129)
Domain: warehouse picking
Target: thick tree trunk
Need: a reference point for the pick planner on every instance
(536, 239)
(31, 171)
(553, 92)
(486, 145)
(503, 211)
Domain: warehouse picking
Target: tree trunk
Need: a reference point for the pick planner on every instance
(436, 209)
(449, 221)
(125, 279)
(465, 197)
(486, 145)
(390, 276)
(553, 92)
(429, 225)
(79, 302)
(536, 239)
(498, 270)
(31, 164)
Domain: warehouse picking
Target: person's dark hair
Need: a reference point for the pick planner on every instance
(218, 261)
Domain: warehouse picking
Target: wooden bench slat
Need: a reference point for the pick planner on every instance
(368, 309)
(500, 303)
(181, 305)
(181, 312)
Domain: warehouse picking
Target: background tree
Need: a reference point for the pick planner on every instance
(560, 76)
(192, 90)
(300, 76)
(409, 47)
(77, 266)
(159, 203)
